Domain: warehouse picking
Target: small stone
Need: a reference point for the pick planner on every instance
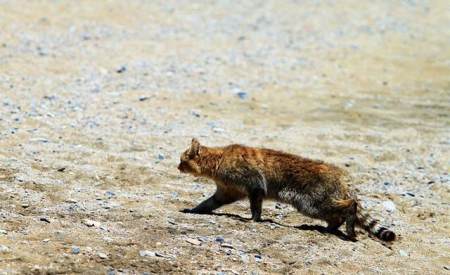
(144, 98)
(403, 253)
(220, 239)
(49, 97)
(389, 206)
(242, 95)
(45, 240)
(203, 239)
(3, 232)
(71, 201)
(75, 250)
(386, 183)
(258, 258)
(44, 219)
(218, 130)
(446, 267)
(122, 69)
(410, 194)
(147, 253)
(102, 255)
(110, 194)
(91, 223)
(195, 113)
(226, 245)
(160, 156)
(25, 205)
(244, 257)
(4, 249)
(61, 169)
(193, 241)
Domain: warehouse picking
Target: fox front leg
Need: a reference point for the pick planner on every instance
(256, 198)
(220, 198)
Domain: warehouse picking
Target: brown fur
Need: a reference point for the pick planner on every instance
(315, 188)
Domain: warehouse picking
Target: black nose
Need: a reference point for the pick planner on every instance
(179, 167)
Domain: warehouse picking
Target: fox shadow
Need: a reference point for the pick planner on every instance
(304, 227)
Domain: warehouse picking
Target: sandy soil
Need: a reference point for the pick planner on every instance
(99, 98)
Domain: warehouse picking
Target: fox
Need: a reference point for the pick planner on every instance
(315, 188)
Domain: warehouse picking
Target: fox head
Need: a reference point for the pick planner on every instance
(189, 160)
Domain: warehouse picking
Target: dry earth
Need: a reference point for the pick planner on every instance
(99, 98)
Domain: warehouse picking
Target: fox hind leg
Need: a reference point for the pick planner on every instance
(347, 209)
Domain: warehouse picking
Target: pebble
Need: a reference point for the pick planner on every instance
(218, 130)
(102, 255)
(144, 98)
(220, 239)
(75, 250)
(147, 253)
(258, 258)
(244, 257)
(4, 249)
(195, 113)
(389, 206)
(122, 69)
(44, 219)
(242, 95)
(71, 201)
(226, 245)
(91, 223)
(160, 156)
(3, 232)
(403, 253)
(193, 241)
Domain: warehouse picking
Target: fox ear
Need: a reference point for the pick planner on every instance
(195, 147)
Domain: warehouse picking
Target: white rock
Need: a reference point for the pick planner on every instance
(91, 223)
(193, 241)
(218, 130)
(403, 253)
(147, 253)
(389, 206)
(102, 255)
(226, 245)
(4, 249)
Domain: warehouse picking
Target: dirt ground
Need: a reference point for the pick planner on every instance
(99, 98)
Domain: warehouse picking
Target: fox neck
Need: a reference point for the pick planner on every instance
(209, 162)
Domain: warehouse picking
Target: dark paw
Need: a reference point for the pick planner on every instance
(352, 238)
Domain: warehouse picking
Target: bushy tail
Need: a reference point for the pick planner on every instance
(373, 226)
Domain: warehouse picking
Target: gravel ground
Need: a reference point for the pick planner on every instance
(99, 98)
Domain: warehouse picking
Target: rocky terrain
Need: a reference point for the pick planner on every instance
(99, 98)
